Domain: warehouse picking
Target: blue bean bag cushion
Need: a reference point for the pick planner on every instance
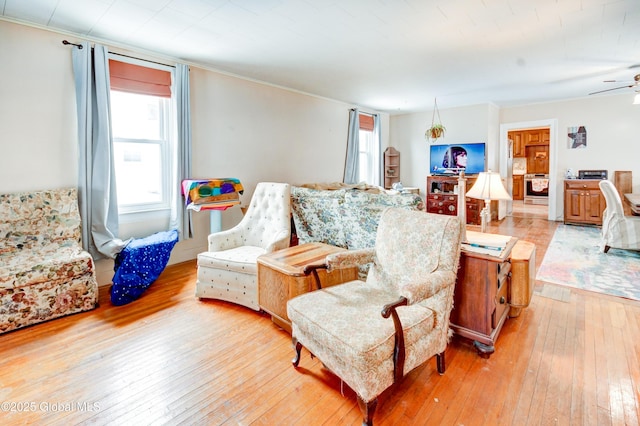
(139, 264)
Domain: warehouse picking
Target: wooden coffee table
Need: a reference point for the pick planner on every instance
(281, 277)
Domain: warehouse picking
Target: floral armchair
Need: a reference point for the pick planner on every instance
(44, 271)
(347, 326)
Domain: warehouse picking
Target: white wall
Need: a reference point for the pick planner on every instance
(478, 123)
(612, 123)
(38, 135)
(613, 133)
(252, 131)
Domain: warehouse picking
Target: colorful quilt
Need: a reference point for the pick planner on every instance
(218, 194)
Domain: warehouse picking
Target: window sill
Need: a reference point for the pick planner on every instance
(144, 215)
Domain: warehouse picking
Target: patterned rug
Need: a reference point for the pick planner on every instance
(574, 259)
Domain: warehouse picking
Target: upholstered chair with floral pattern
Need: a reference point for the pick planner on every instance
(228, 270)
(371, 334)
(618, 231)
(44, 271)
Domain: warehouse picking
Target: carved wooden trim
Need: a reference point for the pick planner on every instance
(398, 350)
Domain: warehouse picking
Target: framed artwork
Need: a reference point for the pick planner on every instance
(577, 137)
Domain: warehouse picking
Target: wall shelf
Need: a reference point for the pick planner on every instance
(391, 167)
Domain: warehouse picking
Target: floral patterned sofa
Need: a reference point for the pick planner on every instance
(345, 217)
(44, 272)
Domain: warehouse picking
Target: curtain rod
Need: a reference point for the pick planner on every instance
(140, 59)
(79, 46)
(65, 42)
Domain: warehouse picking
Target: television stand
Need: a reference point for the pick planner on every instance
(442, 197)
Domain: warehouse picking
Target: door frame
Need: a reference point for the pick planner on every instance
(552, 124)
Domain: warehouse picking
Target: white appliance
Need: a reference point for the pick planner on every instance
(536, 188)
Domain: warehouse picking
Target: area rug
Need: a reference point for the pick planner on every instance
(574, 259)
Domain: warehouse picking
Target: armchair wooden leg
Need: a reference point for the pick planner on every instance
(440, 363)
(367, 408)
(297, 347)
(606, 248)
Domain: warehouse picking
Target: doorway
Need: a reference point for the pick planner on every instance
(538, 159)
(530, 171)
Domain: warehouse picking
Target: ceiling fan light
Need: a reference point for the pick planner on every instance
(636, 99)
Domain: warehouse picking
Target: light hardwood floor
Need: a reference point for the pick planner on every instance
(169, 358)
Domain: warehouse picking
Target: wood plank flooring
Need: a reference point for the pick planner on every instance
(169, 358)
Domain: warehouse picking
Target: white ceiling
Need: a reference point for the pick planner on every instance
(387, 55)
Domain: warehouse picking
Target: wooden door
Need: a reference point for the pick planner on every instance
(533, 137)
(537, 159)
(594, 205)
(518, 187)
(518, 144)
(573, 205)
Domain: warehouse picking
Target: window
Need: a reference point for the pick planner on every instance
(369, 152)
(141, 150)
(141, 121)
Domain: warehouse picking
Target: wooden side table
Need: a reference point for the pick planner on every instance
(281, 277)
(633, 201)
(480, 305)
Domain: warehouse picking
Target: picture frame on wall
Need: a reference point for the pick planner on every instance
(577, 137)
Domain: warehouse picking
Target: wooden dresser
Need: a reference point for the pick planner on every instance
(442, 198)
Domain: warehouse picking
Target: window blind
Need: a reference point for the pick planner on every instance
(366, 122)
(132, 78)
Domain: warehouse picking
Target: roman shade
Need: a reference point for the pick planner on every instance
(366, 122)
(127, 77)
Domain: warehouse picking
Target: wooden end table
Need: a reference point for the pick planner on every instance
(634, 202)
(281, 277)
(481, 305)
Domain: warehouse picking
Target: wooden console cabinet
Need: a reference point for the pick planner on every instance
(489, 289)
(584, 203)
(442, 198)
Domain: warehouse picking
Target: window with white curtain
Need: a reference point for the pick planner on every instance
(368, 152)
(142, 117)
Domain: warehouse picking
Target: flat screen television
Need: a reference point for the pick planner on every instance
(453, 158)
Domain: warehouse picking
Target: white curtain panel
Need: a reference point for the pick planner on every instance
(352, 167)
(180, 218)
(97, 197)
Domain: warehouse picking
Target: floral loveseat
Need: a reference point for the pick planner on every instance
(44, 272)
(346, 217)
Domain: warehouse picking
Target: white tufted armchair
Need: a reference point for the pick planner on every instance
(618, 231)
(228, 270)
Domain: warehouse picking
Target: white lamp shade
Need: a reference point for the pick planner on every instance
(636, 99)
(488, 186)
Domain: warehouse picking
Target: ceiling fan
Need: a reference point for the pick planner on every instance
(636, 82)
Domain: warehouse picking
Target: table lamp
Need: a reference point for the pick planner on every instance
(488, 186)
